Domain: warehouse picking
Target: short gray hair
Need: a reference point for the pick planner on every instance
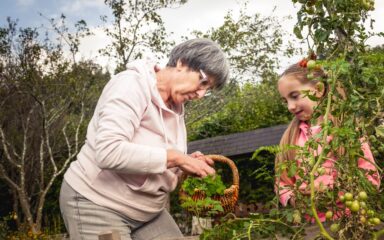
(202, 54)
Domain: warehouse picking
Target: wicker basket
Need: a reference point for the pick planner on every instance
(229, 198)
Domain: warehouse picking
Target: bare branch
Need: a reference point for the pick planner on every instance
(6, 151)
(3, 175)
(47, 142)
(41, 160)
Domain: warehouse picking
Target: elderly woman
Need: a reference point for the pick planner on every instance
(135, 146)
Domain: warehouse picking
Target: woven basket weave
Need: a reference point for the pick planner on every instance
(229, 198)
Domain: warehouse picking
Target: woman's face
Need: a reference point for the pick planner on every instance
(292, 91)
(189, 85)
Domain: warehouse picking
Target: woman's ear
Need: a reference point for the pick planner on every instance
(179, 64)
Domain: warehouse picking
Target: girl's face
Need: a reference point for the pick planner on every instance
(292, 91)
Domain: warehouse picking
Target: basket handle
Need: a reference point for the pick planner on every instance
(230, 163)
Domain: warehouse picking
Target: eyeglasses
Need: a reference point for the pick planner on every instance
(204, 82)
(203, 79)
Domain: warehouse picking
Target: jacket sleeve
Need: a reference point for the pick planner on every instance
(120, 110)
(284, 189)
(367, 164)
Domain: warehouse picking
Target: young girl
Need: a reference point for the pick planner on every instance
(292, 86)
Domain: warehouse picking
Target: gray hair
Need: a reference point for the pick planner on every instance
(202, 54)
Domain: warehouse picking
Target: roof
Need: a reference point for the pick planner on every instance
(239, 143)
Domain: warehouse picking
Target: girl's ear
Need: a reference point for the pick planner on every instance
(320, 89)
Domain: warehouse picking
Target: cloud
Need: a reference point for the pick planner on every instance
(24, 3)
(90, 46)
(81, 5)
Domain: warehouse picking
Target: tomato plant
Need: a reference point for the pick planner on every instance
(353, 114)
(353, 117)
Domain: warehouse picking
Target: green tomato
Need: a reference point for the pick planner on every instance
(362, 211)
(370, 213)
(311, 161)
(348, 196)
(355, 206)
(342, 199)
(348, 203)
(329, 215)
(372, 139)
(363, 205)
(310, 76)
(363, 219)
(376, 221)
(321, 170)
(296, 217)
(380, 149)
(311, 64)
(335, 227)
(363, 195)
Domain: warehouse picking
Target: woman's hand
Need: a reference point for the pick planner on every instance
(199, 166)
(202, 157)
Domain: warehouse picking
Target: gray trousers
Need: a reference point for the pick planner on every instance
(85, 220)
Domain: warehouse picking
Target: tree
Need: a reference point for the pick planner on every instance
(254, 45)
(45, 102)
(137, 26)
(254, 105)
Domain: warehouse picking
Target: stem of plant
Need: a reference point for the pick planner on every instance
(249, 230)
(377, 234)
(320, 159)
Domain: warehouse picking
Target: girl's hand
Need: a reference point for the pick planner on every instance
(292, 201)
(189, 164)
(305, 191)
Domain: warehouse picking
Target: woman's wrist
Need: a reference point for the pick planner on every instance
(174, 158)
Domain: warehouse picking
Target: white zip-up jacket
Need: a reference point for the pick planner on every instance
(122, 164)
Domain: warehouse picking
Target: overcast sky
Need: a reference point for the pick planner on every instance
(194, 15)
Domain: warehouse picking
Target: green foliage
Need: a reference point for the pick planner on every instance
(202, 207)
(333, 25)
(207, 187)
(46, 101)
(4, 229)
(257, 226)
(254, 45)
(210, 185)
(136, 27)
(252, 106)
(352, 111)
